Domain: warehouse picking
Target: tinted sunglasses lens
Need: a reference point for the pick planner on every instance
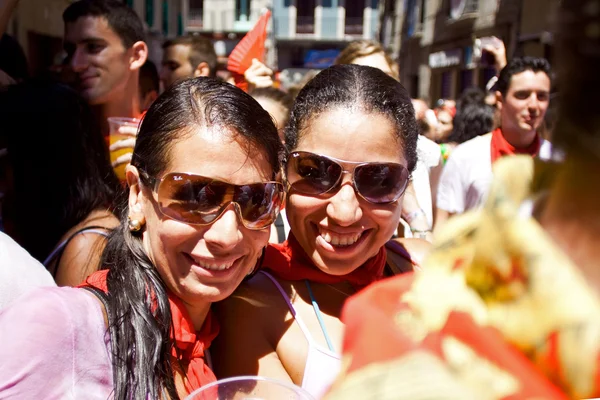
(259, 203)
(311, 173)
(381, 183)
(189, 198)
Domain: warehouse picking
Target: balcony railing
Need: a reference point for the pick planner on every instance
(305, 25)
(354, 26)
(194, 19)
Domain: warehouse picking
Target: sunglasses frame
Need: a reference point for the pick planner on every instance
(156, 182)
(342, 164)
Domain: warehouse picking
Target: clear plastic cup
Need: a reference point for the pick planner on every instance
(250, 388)
(121, 129)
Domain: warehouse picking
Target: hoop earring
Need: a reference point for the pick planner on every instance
(134, 225)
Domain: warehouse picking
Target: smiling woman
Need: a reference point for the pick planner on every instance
(352, 139)
(195, 226)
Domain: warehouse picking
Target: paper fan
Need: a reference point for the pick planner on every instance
(251, 46)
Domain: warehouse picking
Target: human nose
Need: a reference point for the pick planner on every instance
(534, 102)
(344, 207)
(79, 61)
(224, 233)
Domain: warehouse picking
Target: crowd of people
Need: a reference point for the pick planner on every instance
(338, 235)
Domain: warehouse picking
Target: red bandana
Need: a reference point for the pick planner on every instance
(500, 147)
(191, 344)
(288, 261)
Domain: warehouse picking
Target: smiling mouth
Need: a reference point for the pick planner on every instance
(212, 265)
(339, 240)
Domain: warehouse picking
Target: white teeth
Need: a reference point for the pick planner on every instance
(215, 267)
(341, 240)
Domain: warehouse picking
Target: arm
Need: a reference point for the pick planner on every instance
(250, 329)
(48, 348)
(414, 215)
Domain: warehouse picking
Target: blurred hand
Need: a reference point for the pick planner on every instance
(499, 51)
(258, 75)
(128, 143)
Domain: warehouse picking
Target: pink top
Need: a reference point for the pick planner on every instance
(54, 345)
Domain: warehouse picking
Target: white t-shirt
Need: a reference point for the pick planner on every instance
(428, 156)
(467, 175)
(19, 272)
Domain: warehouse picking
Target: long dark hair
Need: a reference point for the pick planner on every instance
(60, 164)
(138, 299)
(368, 88)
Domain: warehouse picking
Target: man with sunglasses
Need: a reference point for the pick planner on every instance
(523, 94)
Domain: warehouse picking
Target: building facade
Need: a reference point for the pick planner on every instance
(437, 40)
(224, 21)
(310, 33)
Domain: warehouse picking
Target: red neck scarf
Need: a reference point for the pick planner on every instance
(191, 344)
(500, 146)
(288, 261)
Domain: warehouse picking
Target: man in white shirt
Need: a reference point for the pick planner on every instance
(522, 93)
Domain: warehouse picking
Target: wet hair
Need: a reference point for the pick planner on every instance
(137, 295)
(12, 58)
(60, 164)
(471, 121)
(278, 96)
(577, 130)
(201, 50)
(121, 19)
(518, 65)
(149, 79)
(366, 88)
(364, 48)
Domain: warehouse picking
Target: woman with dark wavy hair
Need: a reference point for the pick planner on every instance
(60, 192)
(203, 193)
(352, 138)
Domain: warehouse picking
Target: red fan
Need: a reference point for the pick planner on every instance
(251, 46)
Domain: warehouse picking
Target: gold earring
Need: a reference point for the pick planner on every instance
(135, 225)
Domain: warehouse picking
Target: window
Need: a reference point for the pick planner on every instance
(195, 11)
(305, 21)
(458, 8)
(354, 17)
(242, 10)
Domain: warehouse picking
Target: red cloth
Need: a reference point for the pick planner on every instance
(500, 147)
(288, 261)
(378, 330)
(191, 344)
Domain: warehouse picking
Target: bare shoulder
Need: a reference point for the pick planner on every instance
(254, 296)
(252, 322)
(81, 256)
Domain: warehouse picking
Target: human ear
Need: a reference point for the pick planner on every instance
(139, 55)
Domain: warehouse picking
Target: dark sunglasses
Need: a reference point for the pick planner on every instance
(377, 183)
(198, 200)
